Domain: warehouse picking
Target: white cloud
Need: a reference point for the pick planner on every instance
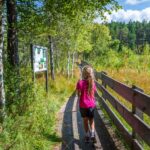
(135, 2)
(127, 15)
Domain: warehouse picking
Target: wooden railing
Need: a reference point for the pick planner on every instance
(140, 104)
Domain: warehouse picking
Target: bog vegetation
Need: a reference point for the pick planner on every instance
(27, 113)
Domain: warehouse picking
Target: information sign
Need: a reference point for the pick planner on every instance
(39, 58)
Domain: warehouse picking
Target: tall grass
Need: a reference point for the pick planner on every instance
(36, 127)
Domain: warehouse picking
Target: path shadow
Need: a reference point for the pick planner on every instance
(103, 134)
(67, 127)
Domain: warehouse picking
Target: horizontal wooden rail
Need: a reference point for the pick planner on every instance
(137, 124)
(127, 136)
(115, 119)
(139, 99)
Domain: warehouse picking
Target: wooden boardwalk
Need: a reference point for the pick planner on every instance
(72, 131)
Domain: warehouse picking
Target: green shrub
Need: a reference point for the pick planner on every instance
(30, 122)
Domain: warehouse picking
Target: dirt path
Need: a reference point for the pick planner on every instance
(72, 132)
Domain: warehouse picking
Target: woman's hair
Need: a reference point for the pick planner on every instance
(88, 74)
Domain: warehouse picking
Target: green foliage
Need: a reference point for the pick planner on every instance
(124, 59)
(146, 50)
(30, 122)
(114, 44)
(100, 41)
(134, 35)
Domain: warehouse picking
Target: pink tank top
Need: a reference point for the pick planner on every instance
(85, 100)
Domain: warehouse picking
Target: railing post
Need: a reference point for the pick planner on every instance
(104, 84)
(136, 111)
(95, 75)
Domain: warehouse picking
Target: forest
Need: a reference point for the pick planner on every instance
(134, 35)
(28, 114)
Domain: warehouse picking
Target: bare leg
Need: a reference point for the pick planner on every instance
(85, 121)
(86, 128)
(92, 124)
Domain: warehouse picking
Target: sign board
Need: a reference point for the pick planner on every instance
(39, 58)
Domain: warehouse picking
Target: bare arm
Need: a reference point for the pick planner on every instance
(78, 93)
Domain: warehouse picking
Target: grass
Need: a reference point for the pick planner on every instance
(36, 128)
(132, 77)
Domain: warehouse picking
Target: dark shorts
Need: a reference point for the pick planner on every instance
(87, 112)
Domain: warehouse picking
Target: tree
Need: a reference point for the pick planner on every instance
(2, 93)
(55, 13)
(100, 39)
(12, 40)
(123, 35)
(51, 56)
(133, 34)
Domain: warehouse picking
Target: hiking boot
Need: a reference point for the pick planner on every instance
(86, 139)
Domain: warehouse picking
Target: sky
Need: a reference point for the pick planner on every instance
(134, 10)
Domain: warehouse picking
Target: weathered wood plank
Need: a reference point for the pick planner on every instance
(138, 112)
(140, 100)
(118, 87)
(136, 145)
(97, 75)
(67, 127)
(106, 132)
(116, 121)
(137, 124)
(127, 136)
(74, 124)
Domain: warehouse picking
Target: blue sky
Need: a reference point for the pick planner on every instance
(135, 10)
(134, 4)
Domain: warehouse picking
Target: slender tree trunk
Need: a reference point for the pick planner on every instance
(72, 64)
(51, 57)
(12, 39)
(57, 58)
(2, 93)
(68, 65)
(76, 56)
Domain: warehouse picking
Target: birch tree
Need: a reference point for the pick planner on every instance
(72, 70)
(2, 93)
(78, 13)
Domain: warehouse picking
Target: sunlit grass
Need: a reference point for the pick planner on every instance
(132, 77)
